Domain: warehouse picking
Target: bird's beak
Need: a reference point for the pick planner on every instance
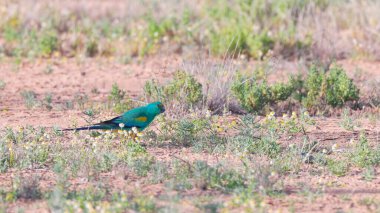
(162, 109)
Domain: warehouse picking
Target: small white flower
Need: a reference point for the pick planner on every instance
(134, 130)
(121, 125)
(208, 114)
(335, 147)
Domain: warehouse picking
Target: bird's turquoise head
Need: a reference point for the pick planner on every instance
(155, 108)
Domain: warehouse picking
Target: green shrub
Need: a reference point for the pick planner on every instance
(119, 100)
(259, 45)
(332, 88)
(315, 86)
(267, 145)
(158, 29)
(92, 48)
(229, 40)
(185, 131)
(317, 91)
(363, 155)
(340, 88)
(254, 95)
(29, 189)
(48, 43)
(338, 167)
(281, 91)
(243, 27)
(148, 38)
(30, 98)
(298, 84)
(236, 40)
(184, 88)
(251, 138)
(215, 177)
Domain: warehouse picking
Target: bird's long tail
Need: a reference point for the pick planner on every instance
(85, 128)
(105, 125)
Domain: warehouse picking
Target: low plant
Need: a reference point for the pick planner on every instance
(317, 91)
(347, 122)
(338, 167)
(30, 99)
(363, 155)
(119, 100)
(48, 43)
(29, 188)
(47, 102)
(207, 177)
(332, 88)
(254, 95)
(184, 89)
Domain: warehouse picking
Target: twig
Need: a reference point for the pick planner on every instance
(190, 167)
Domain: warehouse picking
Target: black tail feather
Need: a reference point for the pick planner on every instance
(84, 128)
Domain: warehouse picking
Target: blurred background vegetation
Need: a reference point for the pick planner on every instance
(290, 29)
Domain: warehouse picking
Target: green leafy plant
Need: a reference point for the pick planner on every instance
(332, 88)
(48, 43)
(347, 122)
(363, 155)
(254, 95)
(338, 167)
(340, 88)
(47, 102)
(183, 88)
(29, 188)
(92, 48)
(30, 98)
(119, 100)
(149, 37)
(215, 177)
(317, 91)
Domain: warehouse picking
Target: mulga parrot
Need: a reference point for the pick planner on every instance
(139, 117)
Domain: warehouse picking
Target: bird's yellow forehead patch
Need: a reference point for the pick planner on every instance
(141, 119)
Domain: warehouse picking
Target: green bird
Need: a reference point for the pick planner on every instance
(139, 117)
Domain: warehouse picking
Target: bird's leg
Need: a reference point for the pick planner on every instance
(135, 137)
